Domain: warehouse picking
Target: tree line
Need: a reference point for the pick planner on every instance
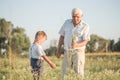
(96, 44)
(100, 44)
(18, 41)
(13, 38)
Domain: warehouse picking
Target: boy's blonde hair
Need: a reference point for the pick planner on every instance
(40, 34)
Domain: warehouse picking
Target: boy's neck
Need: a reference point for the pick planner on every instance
(37, 42)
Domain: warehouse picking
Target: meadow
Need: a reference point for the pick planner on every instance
(98, 66)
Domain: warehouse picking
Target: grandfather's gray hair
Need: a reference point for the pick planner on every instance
(77, 10)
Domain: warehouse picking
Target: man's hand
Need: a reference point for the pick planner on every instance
(80, 44)
(58, 54)
(75, 45)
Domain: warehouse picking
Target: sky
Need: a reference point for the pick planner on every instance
(103, 16)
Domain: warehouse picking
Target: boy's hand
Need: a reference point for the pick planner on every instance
(52, 65)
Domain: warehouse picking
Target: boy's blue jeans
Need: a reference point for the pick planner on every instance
(37, 68)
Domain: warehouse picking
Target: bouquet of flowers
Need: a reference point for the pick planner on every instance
(75, 38)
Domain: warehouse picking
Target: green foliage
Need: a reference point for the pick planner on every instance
(97, 44)
(117, 46)
(5, 32)
(111, 47)
(51, 51)
(20, 42)
(5, 28)
(13, 37)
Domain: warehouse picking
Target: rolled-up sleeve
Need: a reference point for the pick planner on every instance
(40, 51)
(86, 34)
(62, 29)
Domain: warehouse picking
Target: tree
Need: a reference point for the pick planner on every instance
(97, 44)
(91, 46)
(111, 46)
(117, 45)
(5, 32)
(51, 51)
(20, 41)
(53, 48)
(15, 38)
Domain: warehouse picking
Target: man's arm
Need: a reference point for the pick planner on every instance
(80, 44)
(61, 40)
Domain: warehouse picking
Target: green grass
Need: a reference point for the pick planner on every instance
(97, 67)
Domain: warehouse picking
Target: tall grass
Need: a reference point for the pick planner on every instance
(97, 67)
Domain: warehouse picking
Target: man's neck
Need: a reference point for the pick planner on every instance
(76, 24)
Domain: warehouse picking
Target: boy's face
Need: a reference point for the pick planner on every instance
(42, 40)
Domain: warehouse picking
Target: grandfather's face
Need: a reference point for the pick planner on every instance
(76, 18)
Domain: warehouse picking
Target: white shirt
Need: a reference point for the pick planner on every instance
(69, 31)
(36, 51)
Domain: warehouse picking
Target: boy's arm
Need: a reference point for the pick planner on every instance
(49, 61)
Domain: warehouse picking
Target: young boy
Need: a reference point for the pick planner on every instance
(37, 55)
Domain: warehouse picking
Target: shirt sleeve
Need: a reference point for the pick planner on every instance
(40, 51)
(62, 30)
(86, 35)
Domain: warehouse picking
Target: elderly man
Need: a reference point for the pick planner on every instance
(74, 34)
